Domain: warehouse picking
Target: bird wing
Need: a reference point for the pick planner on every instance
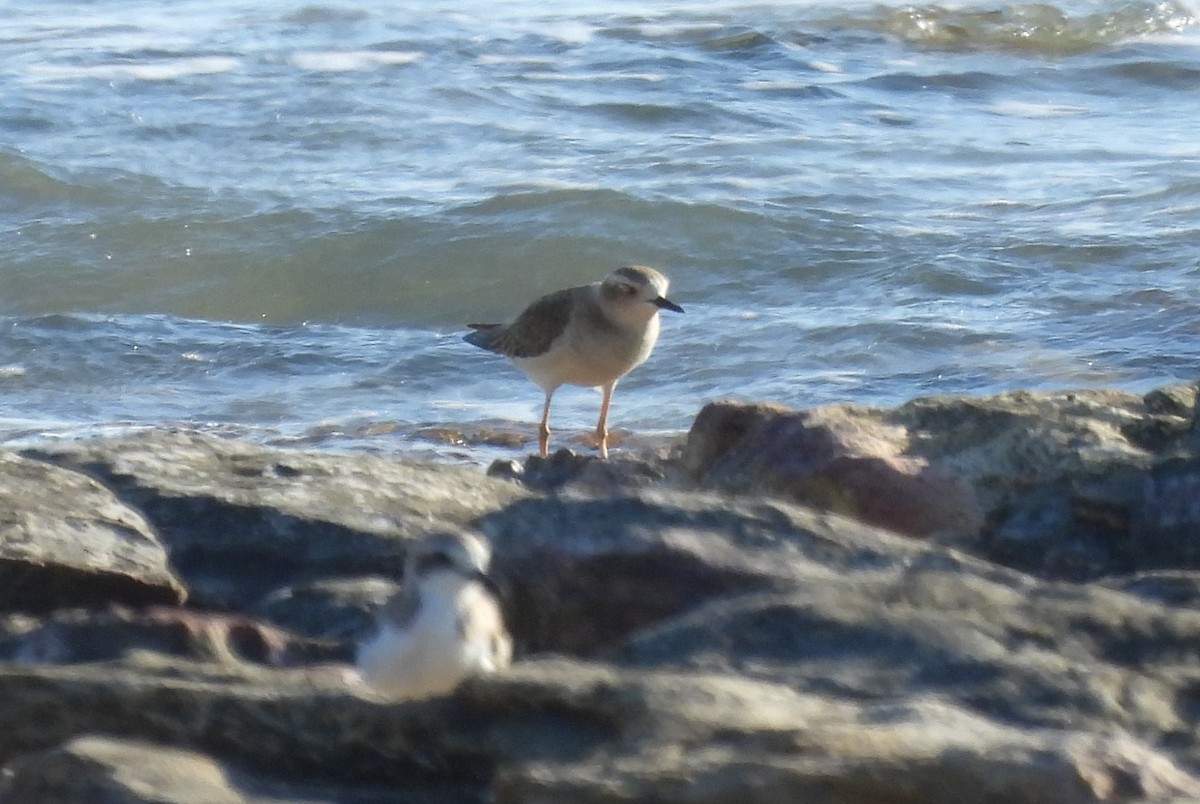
(533, 331)
(481, 626)
(401, 609)
(482, 335)
(502, 648)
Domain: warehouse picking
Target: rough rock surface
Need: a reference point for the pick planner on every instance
(728, 622)
(845, 459)
(556, 731)
(105, 770)
(239, 519)
(66, 540)
(1072, 485)
(643, 556)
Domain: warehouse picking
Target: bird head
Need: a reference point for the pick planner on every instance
(637, 291)
(464, 553)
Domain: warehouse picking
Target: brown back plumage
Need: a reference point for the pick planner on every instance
(533, 331)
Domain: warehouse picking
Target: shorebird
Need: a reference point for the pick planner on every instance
(592, 335)
(443, 625)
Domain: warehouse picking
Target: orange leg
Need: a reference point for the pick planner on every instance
(544, 429)
(602, 425)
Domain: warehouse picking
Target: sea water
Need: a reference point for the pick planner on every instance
(274, 219)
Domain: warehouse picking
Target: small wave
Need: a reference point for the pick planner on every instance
(429, 270)
(792, 89)
(322, 15)
(21, 178)
(53, 190)
(648, 113)
(1157, 74)
(972, 81)
(1027, 27)
(744, 40)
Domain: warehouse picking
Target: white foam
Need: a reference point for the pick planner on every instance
(1035, 111)
(336, 61)
(162, 70)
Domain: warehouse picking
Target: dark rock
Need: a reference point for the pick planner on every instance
(1169, 587)
(1166, 518)
(565, 468)
(555, 470)
(506, 469)
(241, 521)
(840, 459)
(65, 540)
(1074, 485)
(1034, 654)
(337, 609)
(640, 557)
(727, 644)
(298, 725)
(1174, 400)
(555, 731)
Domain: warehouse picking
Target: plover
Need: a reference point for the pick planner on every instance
(443, 625)
(592, 335)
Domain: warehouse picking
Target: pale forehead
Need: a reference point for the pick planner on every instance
(639, 276)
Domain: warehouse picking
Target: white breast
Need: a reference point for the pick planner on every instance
(429, 657)
(592, 357)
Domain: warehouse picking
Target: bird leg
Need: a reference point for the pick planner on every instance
(602, 425)
(544, 429)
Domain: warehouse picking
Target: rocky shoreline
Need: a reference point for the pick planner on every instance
(958, 599)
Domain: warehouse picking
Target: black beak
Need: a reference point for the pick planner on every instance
(663, 303)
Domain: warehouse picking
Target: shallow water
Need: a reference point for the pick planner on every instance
(274, 220)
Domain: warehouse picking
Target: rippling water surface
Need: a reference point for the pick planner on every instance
(272, 219)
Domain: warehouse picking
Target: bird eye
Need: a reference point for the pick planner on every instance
(432, 561)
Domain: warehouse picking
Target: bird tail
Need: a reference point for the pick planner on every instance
(482, 335)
